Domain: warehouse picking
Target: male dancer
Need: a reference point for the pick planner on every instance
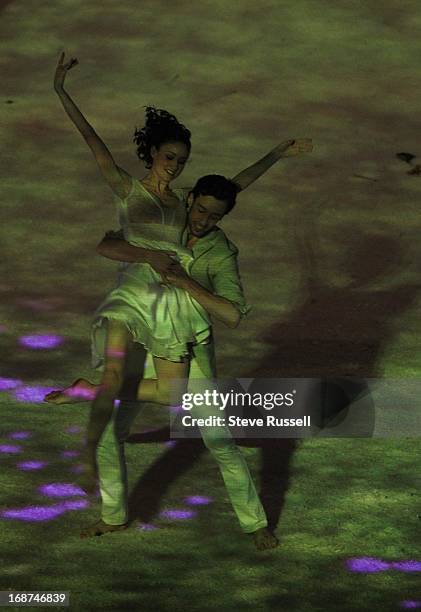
(213, 282)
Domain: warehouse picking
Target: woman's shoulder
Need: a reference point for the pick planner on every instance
(182, 193)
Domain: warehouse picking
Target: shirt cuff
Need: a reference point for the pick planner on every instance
(243, 309)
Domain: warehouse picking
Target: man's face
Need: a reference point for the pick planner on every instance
(205, 212)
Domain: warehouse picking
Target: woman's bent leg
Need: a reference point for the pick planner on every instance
(170, 382)
(102, 430)
(112, 464)
(110, 455)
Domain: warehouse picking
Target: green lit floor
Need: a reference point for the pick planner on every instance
(330, 260)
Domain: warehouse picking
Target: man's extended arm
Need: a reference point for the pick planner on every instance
(113, 246)
(217, 306)
(225, 301)
(288, 148)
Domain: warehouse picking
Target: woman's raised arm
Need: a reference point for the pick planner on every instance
(285, 149)
(117, 178)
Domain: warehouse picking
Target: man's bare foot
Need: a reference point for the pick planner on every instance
(81, 390)
(264, 539)
(99, 528)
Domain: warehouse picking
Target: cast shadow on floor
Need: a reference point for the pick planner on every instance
(334, 334)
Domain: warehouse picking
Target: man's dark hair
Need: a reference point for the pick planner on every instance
(217, 186)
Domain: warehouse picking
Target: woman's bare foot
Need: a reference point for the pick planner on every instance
(264, 539)
(99, 528)
(81, 390)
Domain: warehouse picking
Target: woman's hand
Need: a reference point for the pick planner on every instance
(62, 70)
(290, 148)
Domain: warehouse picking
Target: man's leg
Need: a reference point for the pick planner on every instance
(234, 470)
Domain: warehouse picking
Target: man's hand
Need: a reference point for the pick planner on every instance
(290, 148)
(162, 262)
(216, 306)
(177, 276)
(62, 70)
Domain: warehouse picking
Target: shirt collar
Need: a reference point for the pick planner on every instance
(204, 243)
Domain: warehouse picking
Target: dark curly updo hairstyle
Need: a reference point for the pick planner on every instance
(219, 187)
(160, 127)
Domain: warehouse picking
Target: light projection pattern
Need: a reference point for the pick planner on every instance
(43, 513)
(70, 454)
(32, 394)
(170, 443)
(10, 449)
(371, 565)
(146, 527)
(73, 429)
(28, 466)
(41, 341)
(19, 435)
(61, 489)
(197, 500)
(178, 515)
(6, 384)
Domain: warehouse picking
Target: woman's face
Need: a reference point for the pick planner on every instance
(168, 161)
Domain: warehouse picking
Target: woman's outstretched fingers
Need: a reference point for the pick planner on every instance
(72, 62)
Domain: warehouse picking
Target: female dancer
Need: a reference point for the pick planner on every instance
(165, 319)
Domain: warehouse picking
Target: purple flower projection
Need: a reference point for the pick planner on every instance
(146, 527)
(33, 513)
(27, 466)
(369, 565)
(170, 443)
(19, 435)
(178, 515)
(9, 383)
(74, 504)
(10, 449)
(34, 304)
(70, 454)
(61, 489)
(77, 469)
(176, 409)
(197, 500)
(407, 566)
(409, 604)
(32, 395)
(43, 513)
(41, 341)
(73, 429)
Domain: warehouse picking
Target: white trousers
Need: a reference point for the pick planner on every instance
(230, 460)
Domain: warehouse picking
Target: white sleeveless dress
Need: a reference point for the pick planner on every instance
(166, 320)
